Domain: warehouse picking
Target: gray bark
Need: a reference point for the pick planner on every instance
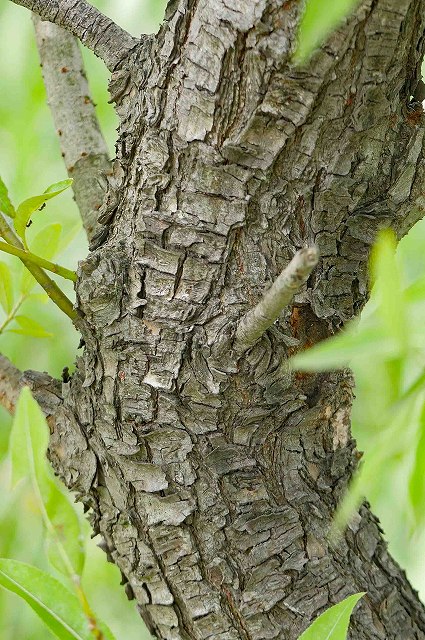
(83, 147)
(213, 476)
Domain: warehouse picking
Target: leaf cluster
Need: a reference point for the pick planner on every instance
(386, 351)
(65, 611)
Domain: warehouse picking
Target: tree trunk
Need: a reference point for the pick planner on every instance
(213, 476)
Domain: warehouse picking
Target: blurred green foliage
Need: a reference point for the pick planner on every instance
(318, 20)
(386, 351)
(60, 606)
(29, 159)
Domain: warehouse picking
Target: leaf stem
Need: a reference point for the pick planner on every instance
(50, 287)
(45, 264)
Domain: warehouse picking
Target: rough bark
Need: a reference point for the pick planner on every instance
(213, 476)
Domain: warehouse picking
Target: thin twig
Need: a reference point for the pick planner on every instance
(82, 144)
(253, 324)
(97, 32)
(50, 287)
(45, 264)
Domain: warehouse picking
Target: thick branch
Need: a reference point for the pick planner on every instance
(252, 326)
(83, 147)
(45, 389)
(97, 32)
(10, 377)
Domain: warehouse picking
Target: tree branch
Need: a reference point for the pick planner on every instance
(45, 389)
(49, 286)
(83, 147)
(253, 324)
(97, 32)
(41, 262)
(10, 377)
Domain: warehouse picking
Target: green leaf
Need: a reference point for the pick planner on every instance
(28, 445)
(5, 204)
(337, 352)
(65, 542)
(388, 287)
(27, 207)
(29, 438)
(318, 20)
(46, 245)
(46, 242)
(391, 303)
(30, 327)
(417, 475)
(57, 607)
(333, 623)
(387, 447)
(6, 288)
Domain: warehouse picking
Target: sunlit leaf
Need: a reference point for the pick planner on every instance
(5, 204)
(59, 609)
(27, 207)
(333, 623)
(30, 327)
(6, 288)
(317, 22)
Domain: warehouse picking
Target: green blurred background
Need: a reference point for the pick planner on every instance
(29, 161)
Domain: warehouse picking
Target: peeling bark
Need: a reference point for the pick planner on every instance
(213, 476)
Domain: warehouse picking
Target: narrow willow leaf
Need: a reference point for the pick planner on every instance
(57, 607)
(65, 541)
(29, 438)
(28, 445)
(30, 327)
(318, 20)
(388, 287)
(417, 475)
(6, 288)
(391, 307)
(337, 352)
(5, 204)
(27, 207)
(333, 623)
